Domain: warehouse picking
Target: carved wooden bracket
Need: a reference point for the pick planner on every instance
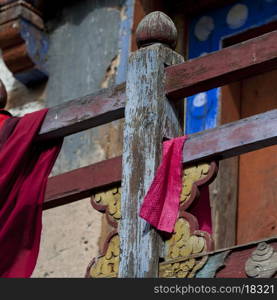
(107, 263)
(187, 240)
(23, 41)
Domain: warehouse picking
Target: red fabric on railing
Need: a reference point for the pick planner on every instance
(161, 203)
(160, 206)
(24, 169)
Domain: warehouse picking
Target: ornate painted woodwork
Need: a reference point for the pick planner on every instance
(107, 263)
(187, 240)
(23, 41)
(109, 203)
(263, 262)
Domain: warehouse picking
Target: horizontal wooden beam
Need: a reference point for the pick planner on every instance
(83, 113)
(230, 64)
(226, 141)
(80, 183)
(232, 139)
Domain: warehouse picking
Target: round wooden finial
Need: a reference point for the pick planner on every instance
(3, 95)
(156, 27)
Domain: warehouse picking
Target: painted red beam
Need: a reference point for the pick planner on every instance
(226, 141)
(230, 64)
(80, 183)
(232, 139)
(83, 113)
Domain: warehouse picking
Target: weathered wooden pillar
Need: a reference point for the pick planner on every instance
(149, 117)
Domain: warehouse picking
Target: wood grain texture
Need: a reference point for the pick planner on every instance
(223, 192)
(258, 169)
(149, 117)
(228, 65)
(233, 139)
(80, 183)
(86, 112)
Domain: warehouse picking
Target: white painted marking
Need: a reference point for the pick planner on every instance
(203, 28)
(237, 16)
(200, 100)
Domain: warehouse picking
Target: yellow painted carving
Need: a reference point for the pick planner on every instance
(190, 176)
(111, 199)
(107, 265)
(181, 245)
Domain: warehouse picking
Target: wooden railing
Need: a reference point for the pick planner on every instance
(222, 142)
(148, 104)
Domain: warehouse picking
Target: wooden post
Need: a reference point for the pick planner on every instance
(149, 117)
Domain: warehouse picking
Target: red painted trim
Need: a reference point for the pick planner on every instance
(80, 183)
(83, 113)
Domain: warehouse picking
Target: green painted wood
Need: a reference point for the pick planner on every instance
(214, 262)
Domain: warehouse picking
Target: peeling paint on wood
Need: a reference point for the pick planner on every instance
(214, 263)
(149, 117)
(233, 139)
(86, 112)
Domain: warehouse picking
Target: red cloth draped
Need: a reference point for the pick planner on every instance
(160, 206)
(3, 117)
(24, 168)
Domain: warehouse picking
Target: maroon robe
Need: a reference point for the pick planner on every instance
(24, 168)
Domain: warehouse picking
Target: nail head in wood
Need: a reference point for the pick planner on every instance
(156, 27)
(3, 95)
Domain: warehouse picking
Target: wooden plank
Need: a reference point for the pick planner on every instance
(80, 183)
(223, 191)
(149, 117)
(230, 64)
(232, 139)
(226, 141)
(86, 112)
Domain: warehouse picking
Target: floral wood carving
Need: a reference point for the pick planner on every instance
(187, 239)
(263, 262)
(106, 265)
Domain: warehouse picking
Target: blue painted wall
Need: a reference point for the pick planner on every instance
(206, 34)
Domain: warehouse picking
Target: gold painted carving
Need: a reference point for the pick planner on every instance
(183, 244)
(187, 240)
(191, 175)
(106, 266)
(263, 262)
(108, 201)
